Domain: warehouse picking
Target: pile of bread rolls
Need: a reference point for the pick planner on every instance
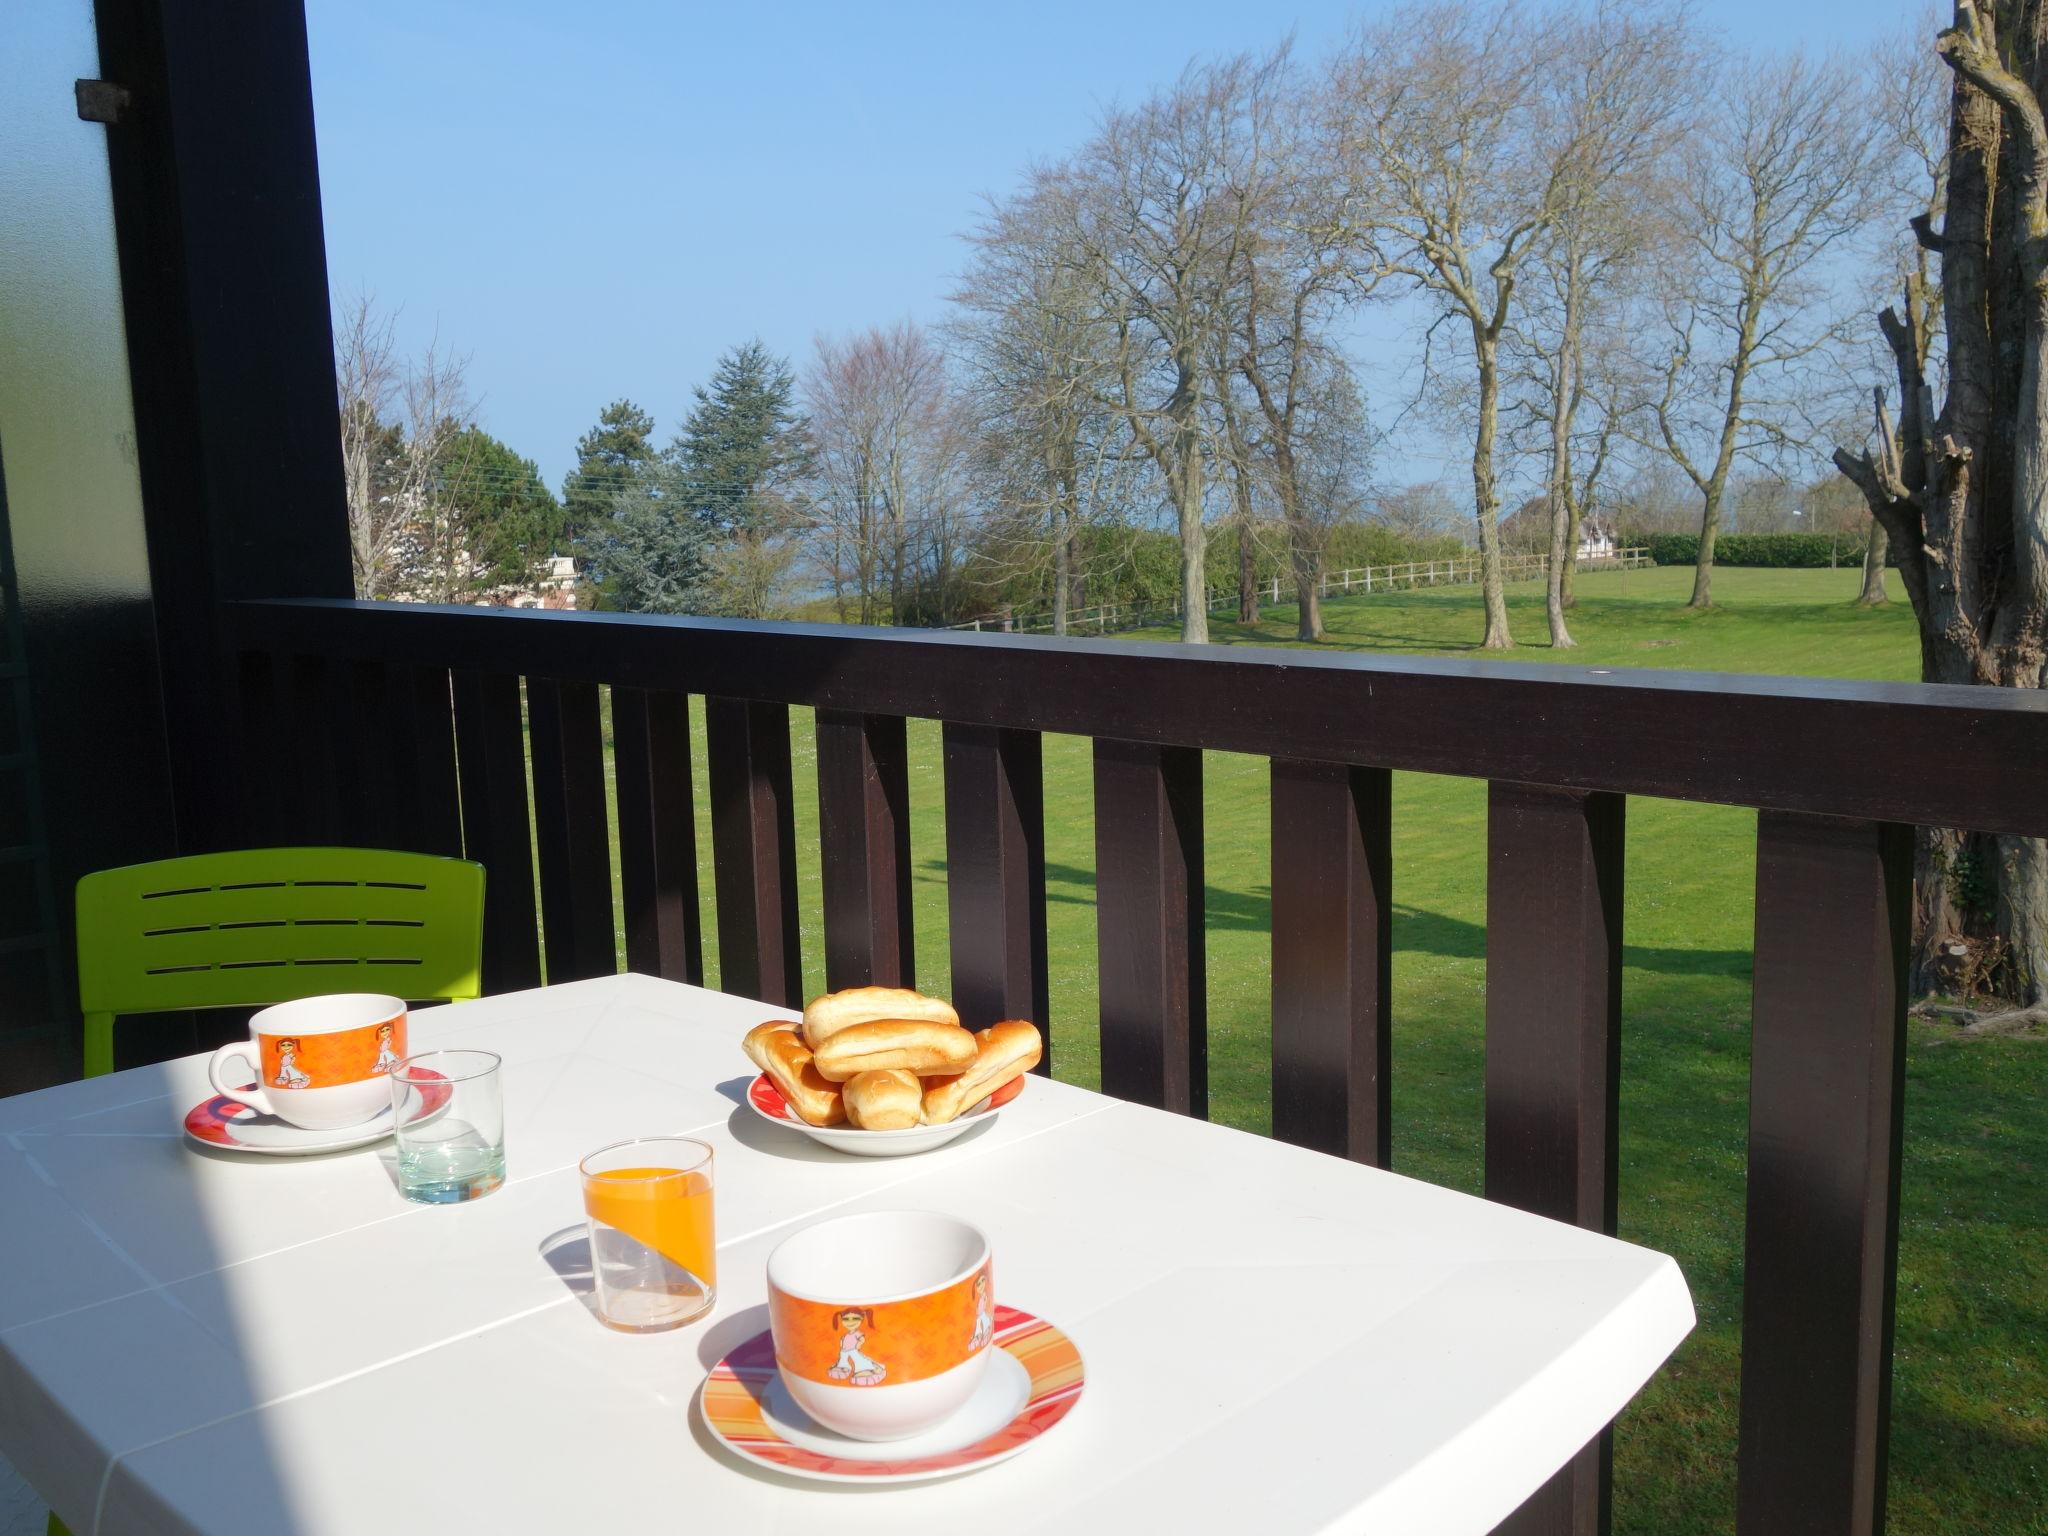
(887, 1058)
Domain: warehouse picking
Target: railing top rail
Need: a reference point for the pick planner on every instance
(1913, 752)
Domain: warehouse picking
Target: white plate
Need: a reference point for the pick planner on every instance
(766, 1100)
(1034, 1379)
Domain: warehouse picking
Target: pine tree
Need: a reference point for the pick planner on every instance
(608, 457)
(650, 554)
(504, 521)
(744, 444)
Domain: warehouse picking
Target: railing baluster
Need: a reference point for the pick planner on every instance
(864, 848)
(565, 722)
(1553, 1051)
(995, 876)
(379, 747)
(657, 833)
(1332, 958)
(314, 812)
(435, 807)
(269, 767)
(753, 848)
(490, 739)
(1827, 1070)
(1148, 916)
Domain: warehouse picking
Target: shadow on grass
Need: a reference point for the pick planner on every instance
(1415, 930)
(1433, 933)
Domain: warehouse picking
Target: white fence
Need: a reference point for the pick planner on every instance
(1462, 570)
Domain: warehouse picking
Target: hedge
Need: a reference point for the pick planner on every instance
(1778, 551)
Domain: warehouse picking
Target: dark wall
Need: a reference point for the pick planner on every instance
(216, 190)
(157, 473)
(81, 724)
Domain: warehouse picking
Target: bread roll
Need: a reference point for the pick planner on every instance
(825, 1016)
(888, 1100)
(1003, 1053)
(778, 1049)
(912, 1044)
(755, 1042)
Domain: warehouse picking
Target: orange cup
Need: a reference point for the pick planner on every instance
(882, 1321)
(320, 1062)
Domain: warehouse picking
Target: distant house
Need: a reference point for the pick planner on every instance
(557, 589)
(1597, 540)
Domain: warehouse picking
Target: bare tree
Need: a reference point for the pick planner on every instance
(367, 378)
(1296, 272)
(1615, 97)
(1159, 209)
(890, 439)
(440, 560)
(1243, 459)
(1452, 186)
(1033, 351)
(1774, 189)
(1426, 510)
(1963, 493)
(401, 421)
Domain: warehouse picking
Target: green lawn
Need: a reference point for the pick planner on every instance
(1971, 1384)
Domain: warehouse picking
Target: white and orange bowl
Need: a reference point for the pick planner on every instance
(766, 1100)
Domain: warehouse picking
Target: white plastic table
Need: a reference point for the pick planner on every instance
(195, 1341)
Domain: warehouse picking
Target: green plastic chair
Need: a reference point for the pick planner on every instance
(268, 925)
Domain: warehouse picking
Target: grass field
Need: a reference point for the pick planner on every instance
(1970, 1408)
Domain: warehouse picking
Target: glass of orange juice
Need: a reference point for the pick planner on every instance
(652, 1249)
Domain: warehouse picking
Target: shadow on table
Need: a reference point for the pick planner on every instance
(567, 1253)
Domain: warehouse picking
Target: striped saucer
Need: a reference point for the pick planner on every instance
(1034, 1379)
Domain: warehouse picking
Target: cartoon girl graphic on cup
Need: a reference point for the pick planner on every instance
(984, 1314)
(288, 1073)
(386, 1057)
(853, 1366)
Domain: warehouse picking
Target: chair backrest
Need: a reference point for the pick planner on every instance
(267, 925)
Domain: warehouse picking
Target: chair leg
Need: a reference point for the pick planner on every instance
(99, 1044)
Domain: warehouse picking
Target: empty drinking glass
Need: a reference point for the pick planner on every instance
(652, 1248)
(449, 1113)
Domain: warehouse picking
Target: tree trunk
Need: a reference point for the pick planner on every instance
(1308, 588)
(1963, 495)
(1302, 546)
(1560, 500)
(1059, 463)
(2022, 916)
(1567, 586)
(1874, 554)
(1937, 920)
(1062, 553)
(1710, 528)
(1187, 491)
(1486, 495)
(1247, 558)
(1553, 580)
(1724, 458)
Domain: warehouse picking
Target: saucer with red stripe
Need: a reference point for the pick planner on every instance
(766, 1100)
(1034, 1378)
(233, 1126)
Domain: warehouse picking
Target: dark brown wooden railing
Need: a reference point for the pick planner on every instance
(402, 726)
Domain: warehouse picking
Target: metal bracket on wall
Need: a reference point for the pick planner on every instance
(101, 101)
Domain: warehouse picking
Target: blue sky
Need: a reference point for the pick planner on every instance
(594, 199)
